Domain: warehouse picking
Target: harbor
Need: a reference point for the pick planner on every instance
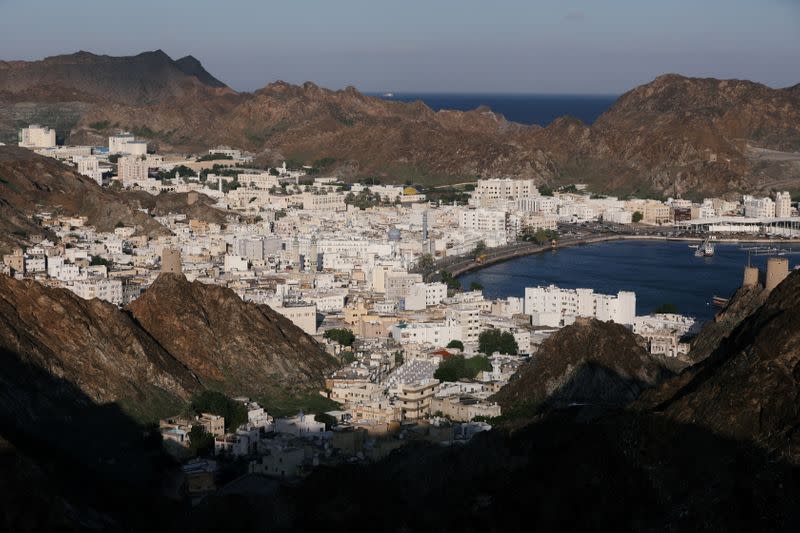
(658, 271)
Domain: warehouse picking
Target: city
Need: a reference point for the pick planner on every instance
(350, 264)
(422, 266)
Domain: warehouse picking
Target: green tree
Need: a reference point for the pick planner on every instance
(475, 286)
(494, 340)
(201, 442)
(213, 157)
(345, 337)
(666, 308)
(544, 190)
(97, 261)
(426, 262)
(451, 282)
(480, 249)
(217, 403)
(456, 344)
(459, 367)
(637, 216)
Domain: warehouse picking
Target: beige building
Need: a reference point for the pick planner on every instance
(171, 260)
(132, 168)
(15, 261)
(287, 462)
(302, 315)
(213, 424)
(415, 398)
(36, 136)
(464, 408)
(323, 202)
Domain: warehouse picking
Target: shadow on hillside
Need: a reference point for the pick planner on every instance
(581, 468)
(94, 457)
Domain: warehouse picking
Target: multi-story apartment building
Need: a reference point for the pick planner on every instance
(415, 398)
(758, 207)
(109, 290)
(132, 169)
(783, 204)
(36, 136)
(89, 166)
(553, 306)
(422, 295)
(491, 192)
(482, 220)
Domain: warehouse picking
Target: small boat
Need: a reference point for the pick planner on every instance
(388, 95)
(719, 301)
(706, 249)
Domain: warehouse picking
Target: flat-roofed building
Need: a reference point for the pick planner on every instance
(36, 136)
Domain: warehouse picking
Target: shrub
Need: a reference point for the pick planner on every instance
(493, 340)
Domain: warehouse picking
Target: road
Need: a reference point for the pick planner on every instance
(571, 235)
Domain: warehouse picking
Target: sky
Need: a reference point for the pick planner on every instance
(519, 46)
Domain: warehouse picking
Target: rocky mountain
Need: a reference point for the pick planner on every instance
(675, 135)
(90, 344)
(690, 135)
(30, 183)
(144, 79)
(588, 362)
(237, 347)
(742, 304)
(748, 388)
(176, 339)
(78, 378)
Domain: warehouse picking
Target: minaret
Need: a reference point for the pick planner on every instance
(313, 254)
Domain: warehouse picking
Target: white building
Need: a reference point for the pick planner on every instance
(36, 136)
(235, 263)
(553, 306)
(126, 143)
(109, 290)
(482, 220)
(758, 207)
(783, 205)
(617, 216)
(89, 166)
(422, 295)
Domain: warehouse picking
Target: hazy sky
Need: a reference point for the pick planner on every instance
(544, 46)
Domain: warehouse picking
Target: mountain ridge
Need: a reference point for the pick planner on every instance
(673, 136)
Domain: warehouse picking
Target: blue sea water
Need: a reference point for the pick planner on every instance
(659, 272)
(539, 109)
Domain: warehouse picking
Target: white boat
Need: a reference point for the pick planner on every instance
(706, 249)
(388, 95)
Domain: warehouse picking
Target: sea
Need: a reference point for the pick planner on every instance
(659, 272)
(541, 109)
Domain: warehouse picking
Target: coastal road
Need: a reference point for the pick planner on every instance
(461, 264)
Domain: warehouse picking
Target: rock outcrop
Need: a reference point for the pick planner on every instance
(589, 362)
(749, 387)
(177, 339)
(90, 344)
(237, 347)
